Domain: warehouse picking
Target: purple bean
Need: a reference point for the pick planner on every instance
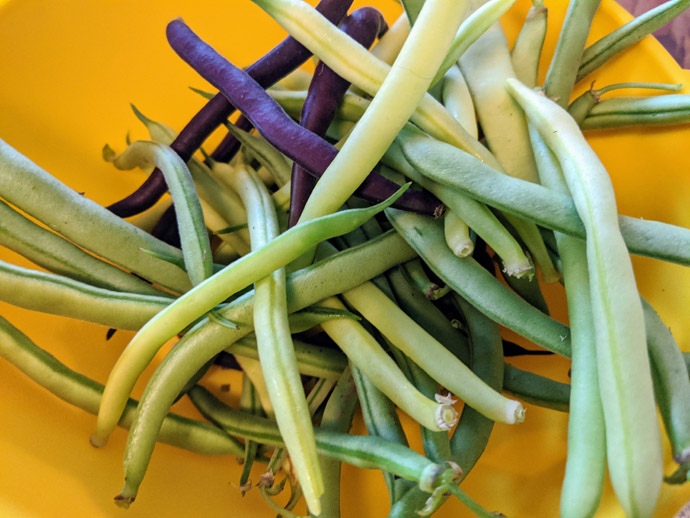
(325, 93)
(301, 145)
(279, 62)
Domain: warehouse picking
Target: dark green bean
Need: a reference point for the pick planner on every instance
(478, 286)
(80, 391)
(604, 49)
(621, 112)
(562, 73)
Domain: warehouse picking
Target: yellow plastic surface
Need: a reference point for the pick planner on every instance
(69, 69)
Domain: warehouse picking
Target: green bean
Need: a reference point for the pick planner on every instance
(671, 383)
(57, 295)
(394, 103)
(473, 431)
(430, 289)
(412, 9)
(354, 63)
(224, 202)
(427, 315)
(529, 43)
(581, 106)
(536, 390)
(604, 49)
(478, 286)
(381, 420)
(304, 287)
(337, 417)
(586, 462)
(236, 276)
(196, 248)
(456, 98)
(528, 288)
(430, 355)
(315, 315)
(366, 354)
(312, 360)
(622, 112)
(56, 254)
(269, 157)
(274, 342)
(562, 73)
(249, 402)
(477, 216)
(633, 442)
(368, 452)
(84, 222)
(471, 29)
(80, 391)
(452, 167)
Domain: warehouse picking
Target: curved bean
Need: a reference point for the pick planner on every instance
(473, 431)
(622, 112)
(581, 106)
(457, 99)
(430, 355)
(196, 247)
(325, 92)
(476, 215)
(381, 420)
(367, 355)
(471, 29)
(337, 417)
(671, 383)
(535, 389)
(389, 45)
(304, 287)
(585, 466)
(394, 103)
